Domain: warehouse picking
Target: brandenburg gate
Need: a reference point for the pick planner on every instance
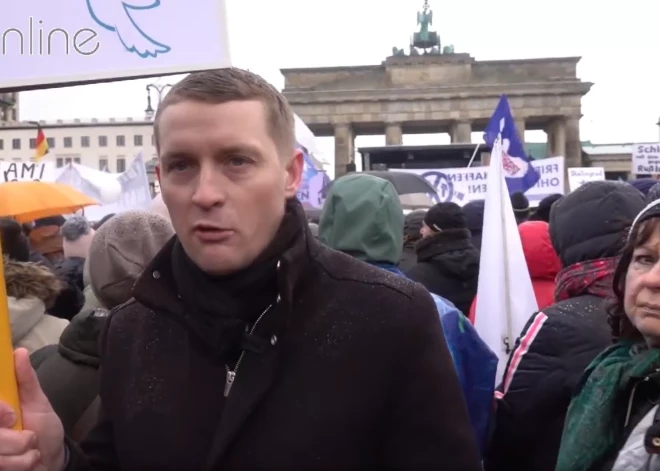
(437, 91)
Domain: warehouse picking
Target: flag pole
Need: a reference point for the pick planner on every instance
(474, 154)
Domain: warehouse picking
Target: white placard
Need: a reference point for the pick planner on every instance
(578, 176)
(462, 185)
(646, 158)
(27, 171)
(46, 42)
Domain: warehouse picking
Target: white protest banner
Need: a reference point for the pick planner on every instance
(462, 185)
(128, 191)
(45, 43)
(578, 176)
(646, 158)
(28, 171)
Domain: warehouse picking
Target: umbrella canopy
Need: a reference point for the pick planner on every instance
(30, 200)
(404, 183)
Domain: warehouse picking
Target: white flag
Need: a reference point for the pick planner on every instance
(505, 296)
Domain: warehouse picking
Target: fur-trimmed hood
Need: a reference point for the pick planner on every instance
(30, 280)
(31, 289)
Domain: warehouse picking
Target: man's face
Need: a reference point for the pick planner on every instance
(224, 181)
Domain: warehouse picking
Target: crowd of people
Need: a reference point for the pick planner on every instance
(224, 328)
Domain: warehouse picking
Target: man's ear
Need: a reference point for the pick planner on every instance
(294, 171)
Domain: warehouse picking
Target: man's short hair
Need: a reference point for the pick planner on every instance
(233, 84)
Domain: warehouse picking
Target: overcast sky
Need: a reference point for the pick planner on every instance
(618, 43)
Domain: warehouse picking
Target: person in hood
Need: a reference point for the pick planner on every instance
(542, 262)
(644, 185)
(447, 262)
(69, 372)
(542, 213)
(613, 422)
(474, 220)
(588, 229)
(363, 217)
(31, 290)
(247, 343)
(412, 227)
(653, 194)
(45, 238)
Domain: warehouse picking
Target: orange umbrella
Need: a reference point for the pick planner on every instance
(26, 201)
(30, 200)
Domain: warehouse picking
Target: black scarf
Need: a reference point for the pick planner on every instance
(227, 306)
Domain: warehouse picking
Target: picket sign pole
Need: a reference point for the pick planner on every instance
(8, 385)
(474, 154)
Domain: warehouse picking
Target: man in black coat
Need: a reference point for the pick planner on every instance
(249, 345)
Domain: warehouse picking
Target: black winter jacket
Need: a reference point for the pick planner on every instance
(448, 265)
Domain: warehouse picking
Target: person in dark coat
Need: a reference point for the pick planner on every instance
(77, 234)
(520, 205)
(412, 225)
(542, 213)
(474, 220)
(69, 372)
(249, 344)
(447, 262)
(588, 229)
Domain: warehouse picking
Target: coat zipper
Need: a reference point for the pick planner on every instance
(231, 374)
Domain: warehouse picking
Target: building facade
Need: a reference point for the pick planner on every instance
(108, 145)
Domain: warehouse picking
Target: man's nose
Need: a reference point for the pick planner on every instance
(210, 189)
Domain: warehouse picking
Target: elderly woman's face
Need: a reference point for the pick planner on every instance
(642, 296)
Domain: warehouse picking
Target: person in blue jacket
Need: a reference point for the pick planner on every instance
(362, 217)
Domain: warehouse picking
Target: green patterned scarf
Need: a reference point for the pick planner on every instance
(592, 425)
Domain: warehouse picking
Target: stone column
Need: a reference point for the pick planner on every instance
(556, 132)
(573, 144)
(344, 148)
(520, 127)
(461, 132)
(393, 134)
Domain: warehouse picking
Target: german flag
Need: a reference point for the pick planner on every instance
(41, 147)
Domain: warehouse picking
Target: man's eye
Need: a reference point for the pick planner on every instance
(238, 161)
(177, 166)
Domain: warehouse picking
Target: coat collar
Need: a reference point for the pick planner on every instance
(156, 290)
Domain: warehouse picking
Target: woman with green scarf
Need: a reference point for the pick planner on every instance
(613, 423)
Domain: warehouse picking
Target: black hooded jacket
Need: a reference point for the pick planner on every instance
(448, 265)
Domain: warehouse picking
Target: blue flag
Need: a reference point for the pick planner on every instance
(518, 170)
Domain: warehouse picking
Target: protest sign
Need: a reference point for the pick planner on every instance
(578, 176)
(462, 185)
(27, 171)
(646, 158)
(132, 188)
(44, 43)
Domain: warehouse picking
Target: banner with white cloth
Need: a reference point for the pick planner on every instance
(578, 176)
(505, 295)
(118, 192)
(462, 185)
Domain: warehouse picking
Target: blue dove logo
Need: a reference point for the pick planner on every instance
(116, 16)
